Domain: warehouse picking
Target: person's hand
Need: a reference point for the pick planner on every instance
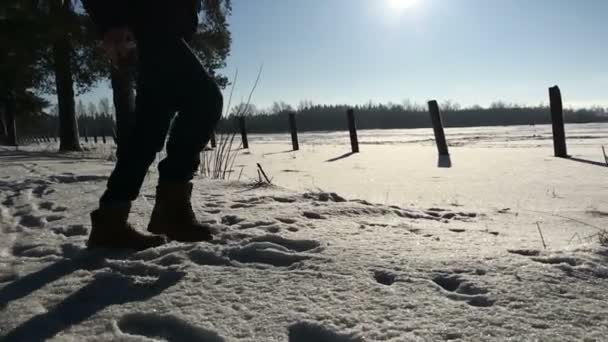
(119, 45)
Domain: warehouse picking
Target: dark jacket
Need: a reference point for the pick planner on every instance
(146, 17)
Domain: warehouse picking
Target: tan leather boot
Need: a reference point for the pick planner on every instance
(112, 230)
(173, 215)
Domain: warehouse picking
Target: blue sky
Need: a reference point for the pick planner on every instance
(467, 51)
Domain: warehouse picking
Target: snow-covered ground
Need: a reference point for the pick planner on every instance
(379, 246)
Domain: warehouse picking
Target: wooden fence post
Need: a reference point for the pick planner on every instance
(114, 136)
(243, 131)
(352, 127)
(294, 131)
(557, 118)
(103, 136)
(212, 139)
(442, 145)
(86, 136)
(11, 123)
(95, 138)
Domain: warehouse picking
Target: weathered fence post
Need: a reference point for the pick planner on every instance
(95, 138)
(3, 128)
(212, 140)
(243, 131)
(11, 123)
(442, 145)
(294, 131)
(114, 136)
(103, 136)
(352, 127)
(557, 118)
(86, 136)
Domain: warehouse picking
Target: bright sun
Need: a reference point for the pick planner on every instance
(400, 5)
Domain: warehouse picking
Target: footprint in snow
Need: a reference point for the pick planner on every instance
(385, 277)
(293, 245)
(241, 206)
(274, 250)
(556, 260)
(286, 220)
(308, 331)
(525, 252)
(69, 178)
(166, 327)
(455, 230)
(283, 199)
(257, 224)
(53, 218)
(265, 253)
(36, 251)
(251, 201)
(231, 220)
(74, 230)
(458, 289)
(46, 205)
(41, 190)
(32, 221)
(273, 229)
(313, 215)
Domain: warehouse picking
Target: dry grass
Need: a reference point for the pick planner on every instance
(603, 237)
(218, 163)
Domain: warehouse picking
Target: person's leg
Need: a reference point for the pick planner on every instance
(154, 109)
(199, 105)
(155, 106)
(199, 109)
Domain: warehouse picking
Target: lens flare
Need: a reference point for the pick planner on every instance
(400, 5)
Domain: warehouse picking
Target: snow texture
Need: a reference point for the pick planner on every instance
(447, 254)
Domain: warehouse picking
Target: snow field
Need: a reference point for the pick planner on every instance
(310, 265)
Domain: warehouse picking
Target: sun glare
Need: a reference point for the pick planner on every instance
(400, 5)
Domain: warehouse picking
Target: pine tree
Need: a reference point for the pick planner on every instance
(20, 69)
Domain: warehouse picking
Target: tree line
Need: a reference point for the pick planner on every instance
(99, 119)
(50, 47)
(312, 117)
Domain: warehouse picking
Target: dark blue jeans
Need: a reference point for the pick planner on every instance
(174, 92)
